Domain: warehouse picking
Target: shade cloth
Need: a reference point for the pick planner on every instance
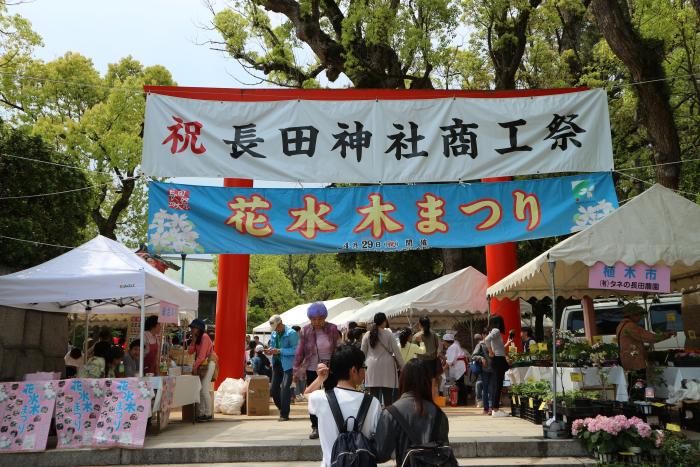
(103, 271)
(297, 316)
(658, 226)
(461, 292)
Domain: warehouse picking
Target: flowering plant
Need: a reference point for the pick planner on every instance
(173, 233)
(612, 434)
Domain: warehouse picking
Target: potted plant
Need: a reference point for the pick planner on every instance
(606, 437)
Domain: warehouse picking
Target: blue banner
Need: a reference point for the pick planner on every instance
(205, 219)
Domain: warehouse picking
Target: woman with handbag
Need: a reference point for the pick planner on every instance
(383, 360)
(414, 428)
(204, 366)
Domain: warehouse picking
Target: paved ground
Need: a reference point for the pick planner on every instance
(227, 430)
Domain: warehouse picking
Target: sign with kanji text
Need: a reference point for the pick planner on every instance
(373, 218)
(168, 313)
(637, 278)
(372, 136)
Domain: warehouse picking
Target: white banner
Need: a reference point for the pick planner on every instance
(377, 141)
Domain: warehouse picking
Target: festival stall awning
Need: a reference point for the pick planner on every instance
(656, 227)
(297, 316)
(461, 292)
(108, 274)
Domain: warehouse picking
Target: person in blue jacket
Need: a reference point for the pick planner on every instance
(282, 349)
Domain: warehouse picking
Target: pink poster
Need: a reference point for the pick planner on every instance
(166, 401)
(26, 410)
(102, 412)
(637, 278)
(168, 313)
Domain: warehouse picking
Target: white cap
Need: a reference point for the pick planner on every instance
(448, 337)
(274, 321)
(259, 348)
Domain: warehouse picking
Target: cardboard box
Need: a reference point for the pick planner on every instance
(258, 398)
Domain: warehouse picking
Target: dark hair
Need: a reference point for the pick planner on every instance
(251, 349)
(416, 380)
(135, 343)
(105, 334)
(352, 325)
(75, 352)
(527, 330)
(355, 335)
(344, 358)
(404, 336)
(425, 323)
(114, 352)
(497, 322)
(151, 322)
(379, 318)
(101, 349)
(296, 328)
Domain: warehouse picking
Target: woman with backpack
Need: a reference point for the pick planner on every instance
(414, 428)
(383, 360)
(482, 367)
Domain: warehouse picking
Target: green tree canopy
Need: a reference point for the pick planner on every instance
(58, 219)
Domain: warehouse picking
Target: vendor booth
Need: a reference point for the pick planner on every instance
(297, 316)
(104, 277)
(456, 295)
(656, 228)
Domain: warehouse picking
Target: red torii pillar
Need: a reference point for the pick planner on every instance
(231, 307)
(501, 260)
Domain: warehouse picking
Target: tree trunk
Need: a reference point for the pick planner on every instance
(452, 259)
(644, 64)
(107, 226)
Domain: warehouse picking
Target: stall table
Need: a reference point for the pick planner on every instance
(673, 376)
(590, 378)
(185, 394)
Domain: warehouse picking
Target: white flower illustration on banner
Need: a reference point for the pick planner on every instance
(174, 233)
(589, 215)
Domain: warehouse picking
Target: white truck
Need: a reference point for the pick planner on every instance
(665, 314)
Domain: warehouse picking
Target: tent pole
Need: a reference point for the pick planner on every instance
(552, 264)
(143, 324)
(87, 331)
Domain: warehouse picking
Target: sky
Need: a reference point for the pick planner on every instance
(155, 32)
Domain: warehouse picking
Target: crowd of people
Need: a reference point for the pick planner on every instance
(403, 369)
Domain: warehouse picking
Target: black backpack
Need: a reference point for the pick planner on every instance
(432, 454)
(351, 448)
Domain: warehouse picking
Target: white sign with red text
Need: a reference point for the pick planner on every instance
(402, 137)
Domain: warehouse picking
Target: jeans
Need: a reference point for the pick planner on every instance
(301, 387)
(281, 388)
(486, 378)
(205, 402)
(384, 395)
(500, 366)
(461, 390)
(310, 377)
(478, 388)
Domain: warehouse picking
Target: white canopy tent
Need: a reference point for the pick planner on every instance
(297, 316)
(462, 292)
(100, 276)
(656, 227)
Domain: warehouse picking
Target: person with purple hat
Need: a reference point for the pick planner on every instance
(317, 341)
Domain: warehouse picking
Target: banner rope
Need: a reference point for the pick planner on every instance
(39, 195)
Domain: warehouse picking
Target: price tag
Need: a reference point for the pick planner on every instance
(691, 334)
(542, 346)
(597, 339)
(531, 379)
(543, 406)
(515, 401)
(531, 403)
(671, 316)
(658, 404)
(576, 377)
(533, 348)
(518, 400)
(673, 427)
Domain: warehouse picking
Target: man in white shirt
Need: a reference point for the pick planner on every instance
(456, 360)
(348, 366)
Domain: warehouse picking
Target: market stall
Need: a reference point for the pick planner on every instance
(657, 227)
(296, 316)
(101, 276)
(459, 294)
